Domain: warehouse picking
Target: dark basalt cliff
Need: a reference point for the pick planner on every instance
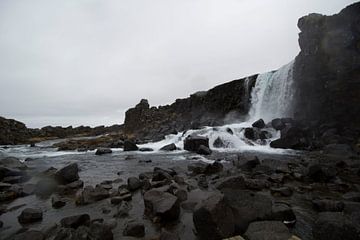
(216, 106)
(327, 70)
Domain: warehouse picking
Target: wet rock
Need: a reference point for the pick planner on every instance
(1, 224)
(161, 204)
(16, 179)
(198, 167)
(99, 193)
(256, 184)
(30, 215)
(75, 221)
(30, 235)
(169, 147)
(278, 124)
(233, 182)
(145, 149)
(160, 175)
(328, 205)
(334, 226)
(57, 202)
(166, 235)
(246, 164)
(193, 143)
(321, 173)
(281, 191)
(343, 150)
(134, 229)
(68, 174)
(181, 194)
(352, 196)
(249, 133)
(102, 151)
(203, 150)
(76, 184)
(28, 189)
(219, 143)
(283, 212)
(213, 218)
(130, 146)
(116, 200)
(133, 183)
(202, 181)
(95, 231)
(123, 210)
(259, 124)
(247, 207)
(267, 230)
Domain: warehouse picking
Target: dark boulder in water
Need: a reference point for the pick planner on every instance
(249, 133)
(169, 147)
(102, 151)
(130, 146)
(259, 124)
(219, 143)
(203, 150)
(193, 143)
(68, 174)
(30, 215)
(270, 230)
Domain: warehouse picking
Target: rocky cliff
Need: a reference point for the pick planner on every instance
(217, 106)
(15, 132)
(327, 69)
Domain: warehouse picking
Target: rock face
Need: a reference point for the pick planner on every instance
(216, 106)
(326, 71)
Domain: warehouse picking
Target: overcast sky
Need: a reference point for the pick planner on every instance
(84, 62)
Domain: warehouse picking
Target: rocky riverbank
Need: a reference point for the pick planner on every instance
(150, 196)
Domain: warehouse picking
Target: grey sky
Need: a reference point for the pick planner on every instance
(70, 62)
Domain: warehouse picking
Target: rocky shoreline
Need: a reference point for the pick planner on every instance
(306, 196)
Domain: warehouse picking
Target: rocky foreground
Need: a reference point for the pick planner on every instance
(238, 196)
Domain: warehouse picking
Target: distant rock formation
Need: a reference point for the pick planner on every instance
(327, 69)
(216, 106)
(15, 132)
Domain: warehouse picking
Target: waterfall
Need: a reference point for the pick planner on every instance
(272, 94)
(271, 97)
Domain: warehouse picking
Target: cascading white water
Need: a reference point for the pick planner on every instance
(271, 97)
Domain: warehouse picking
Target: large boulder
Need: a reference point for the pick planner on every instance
(134, 229)
(30, 235)
(259, 123)
(30, 215)
(248, 207)
(68, 174)
(130, 146)
(75, 221)
(334, 226)
(213, 218)
(267, 230)
(192, 143)
(321, 172)
(161, 204)
(133, 183)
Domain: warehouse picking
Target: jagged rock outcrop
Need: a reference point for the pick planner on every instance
(327, 69)
(15, 132)
(217, 106)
